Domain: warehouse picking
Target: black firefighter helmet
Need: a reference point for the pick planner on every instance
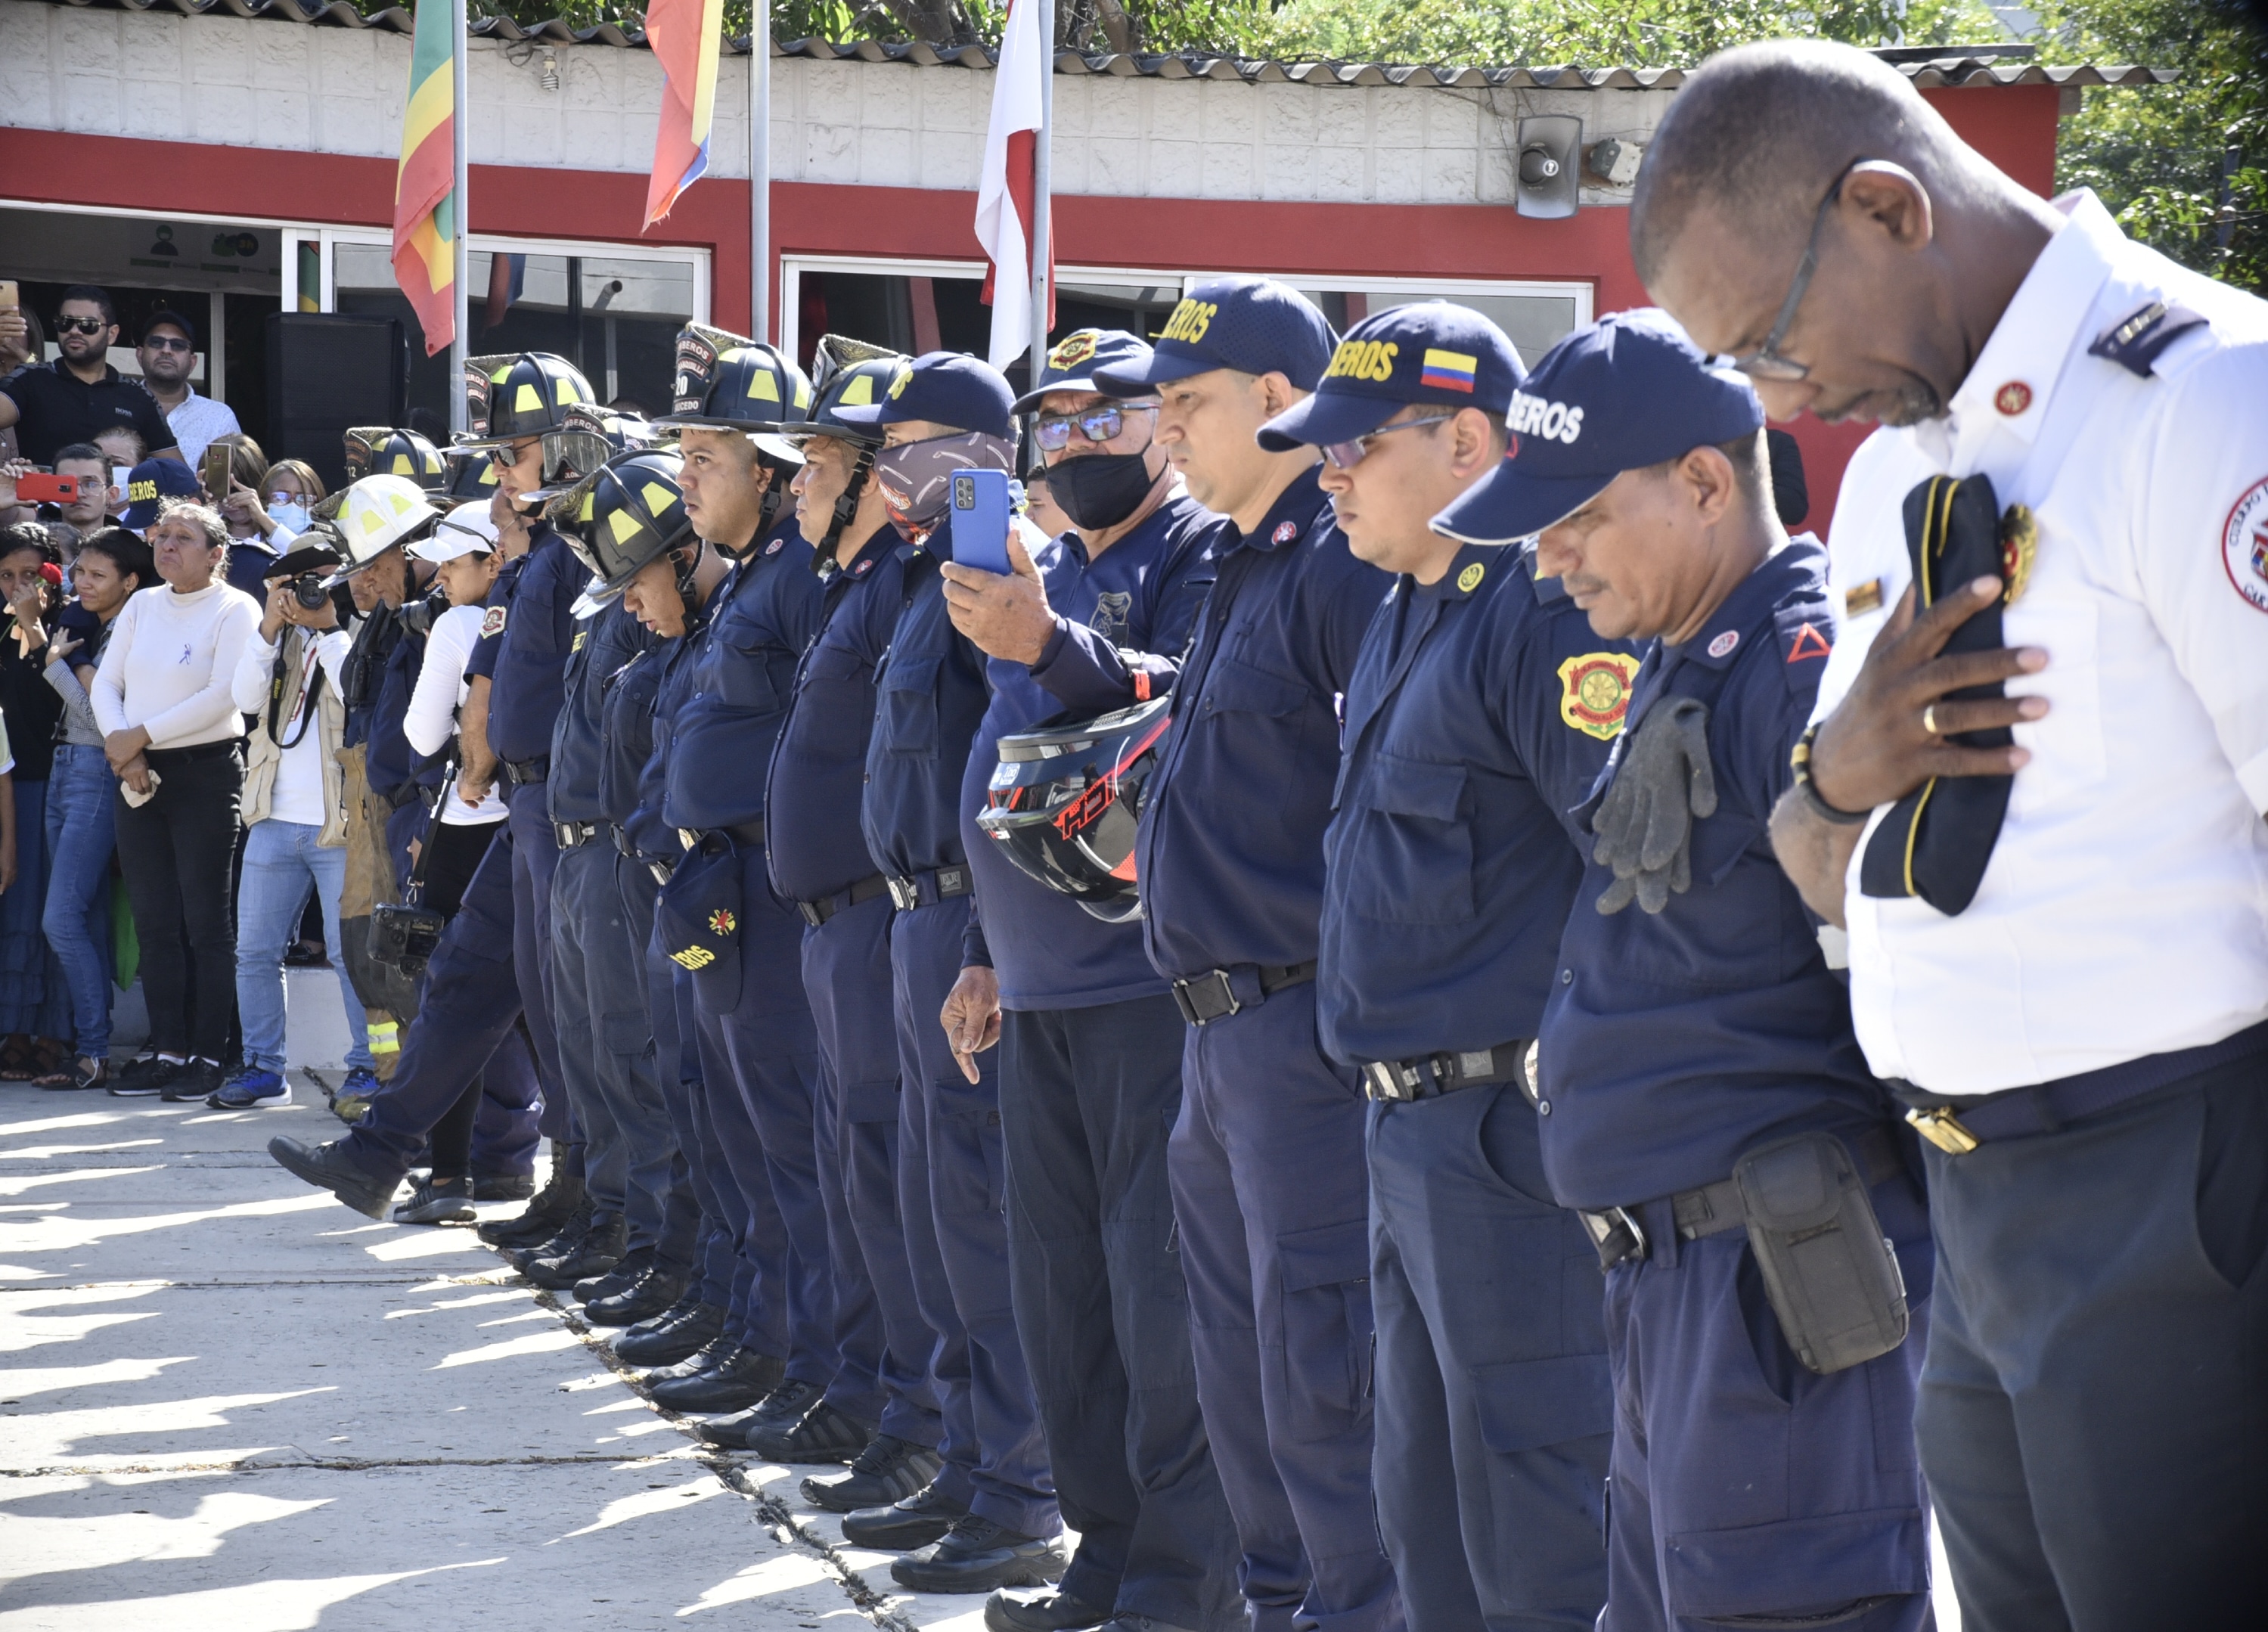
(1064, 800)
(848, 373)
(384, 451)
(507, 397)
(730, 382)
(624, 515)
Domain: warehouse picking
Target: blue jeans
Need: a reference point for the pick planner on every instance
(77, 918)
(281, 862)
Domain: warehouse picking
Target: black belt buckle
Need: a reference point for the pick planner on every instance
(814, 913)
(572, 835)
(905, 892)
(1391, 1082)
(1195, 1010)
(690, 838)
(1616, 1234)
(662, 871)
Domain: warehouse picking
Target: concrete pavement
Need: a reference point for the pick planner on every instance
(227, 1402)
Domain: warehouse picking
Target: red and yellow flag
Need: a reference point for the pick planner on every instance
(685, 35)
(424, 187)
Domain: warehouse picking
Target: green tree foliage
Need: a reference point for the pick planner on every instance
(2185, 166)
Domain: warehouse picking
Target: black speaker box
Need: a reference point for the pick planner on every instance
(328, 371)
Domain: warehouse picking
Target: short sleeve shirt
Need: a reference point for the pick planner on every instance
(58, 408)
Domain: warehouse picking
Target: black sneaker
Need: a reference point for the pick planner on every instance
(980, 1555)
(825, 1434)
(449, 1200)
(145, 1078)
(888, 1470)
(194, 1082)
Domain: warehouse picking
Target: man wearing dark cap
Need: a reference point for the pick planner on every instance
(168, 356)
(1090, 1042)
(150, 483)
(2033, 793)
(1753, 1202)
(1266, 1158)
(1478, 716)
(78, 395)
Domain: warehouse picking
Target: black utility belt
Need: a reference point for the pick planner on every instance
(817, 913)
(1830, 1274)
(407, 793)
(196, 753)
(573, 835)
(712, 841)
(1433, 1075)
(909, 891)
(519, 772)
(1205, 998)
(1959, 1127)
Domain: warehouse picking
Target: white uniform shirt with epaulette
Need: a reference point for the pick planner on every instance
(2124, 910)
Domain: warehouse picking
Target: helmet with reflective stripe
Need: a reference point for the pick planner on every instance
(1064, 800)
(849, 373)
(472, 475)
(733, 383)
(383, 451)
(510, 397)
(623, 516)
(377, 513)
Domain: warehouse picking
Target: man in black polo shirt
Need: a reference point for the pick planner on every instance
(53, 405)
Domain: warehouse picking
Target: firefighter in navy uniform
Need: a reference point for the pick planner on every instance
(1089, 1039)
(1478, 715)
(749, 1057)
(1267, 1158)
(1701, 1096)
(987, 1518)
(818, 861)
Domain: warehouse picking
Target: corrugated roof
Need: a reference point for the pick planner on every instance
(1955, 66)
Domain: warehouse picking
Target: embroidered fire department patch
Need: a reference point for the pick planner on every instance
(1594, 690)
(492, 623)
(722, 922)
(2244, 545)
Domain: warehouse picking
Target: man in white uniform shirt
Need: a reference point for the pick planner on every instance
(2036, 803)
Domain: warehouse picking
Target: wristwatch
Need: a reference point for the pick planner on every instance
(1799, 759)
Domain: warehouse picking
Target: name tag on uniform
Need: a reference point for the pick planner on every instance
(1861, 598)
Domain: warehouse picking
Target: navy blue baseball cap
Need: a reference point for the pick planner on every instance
(1628, 392)
(150, 483)
(1253, 324)
(1430, 351)
(1073, 362)
(950, 387)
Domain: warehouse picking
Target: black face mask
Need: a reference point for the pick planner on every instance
(1099, 490)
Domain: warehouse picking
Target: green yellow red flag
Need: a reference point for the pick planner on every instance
(424, 187)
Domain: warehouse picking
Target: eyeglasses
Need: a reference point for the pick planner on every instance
(1766, 361)
(80, 326)
(1347, 455)
(1052, 431)
(166, 342)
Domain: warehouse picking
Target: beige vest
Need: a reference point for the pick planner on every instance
(263, 756)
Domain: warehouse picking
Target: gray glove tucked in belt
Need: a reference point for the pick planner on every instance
(1644, 823)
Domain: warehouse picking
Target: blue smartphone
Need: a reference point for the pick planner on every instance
(982, 506)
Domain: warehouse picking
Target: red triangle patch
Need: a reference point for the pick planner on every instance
(1808, 642)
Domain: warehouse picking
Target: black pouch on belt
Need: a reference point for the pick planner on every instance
(1831, 1273)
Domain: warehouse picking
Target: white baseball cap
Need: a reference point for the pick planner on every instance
(463, 531)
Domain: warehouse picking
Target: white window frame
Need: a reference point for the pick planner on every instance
(330, 237)
(1583, 293)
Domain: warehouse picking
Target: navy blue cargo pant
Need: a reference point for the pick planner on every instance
(534, 854)
(767, 1085)
(1495, 1407)
(1745, 1488)
(582, 890)
(2094, 1406)
(677, 1061)
(952, 1173)
(846, 972)
(1271, 1190)
(756, 1308)
(1088, 1097)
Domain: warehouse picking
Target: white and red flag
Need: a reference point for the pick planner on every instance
(1007, 188)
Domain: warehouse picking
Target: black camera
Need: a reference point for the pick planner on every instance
(417, 616)
(311, 588)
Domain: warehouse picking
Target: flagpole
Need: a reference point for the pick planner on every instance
(459, 119)
(1043, 204)
(760, 169)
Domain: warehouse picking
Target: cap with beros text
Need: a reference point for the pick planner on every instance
(150, 483)
(1255, 325)
(1427, 352)
(1628, 392)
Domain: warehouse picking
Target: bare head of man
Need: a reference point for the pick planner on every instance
(1804, 211)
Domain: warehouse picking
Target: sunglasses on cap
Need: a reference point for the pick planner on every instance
(1052, 431)
(1347, 455)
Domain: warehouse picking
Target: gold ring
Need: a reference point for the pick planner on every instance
(1929, 719)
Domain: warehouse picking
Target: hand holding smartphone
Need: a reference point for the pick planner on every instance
(981, 509)
(38, 487)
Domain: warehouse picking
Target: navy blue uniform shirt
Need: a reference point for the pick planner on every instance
(1129, 612)
(651, 833)
(1675, 1042)
(1479, 716)
(1231, 848)
(601, 646)
(933, 696)
(389, 762)
(762, 617)
(526, 660)
(626, 744)
(819, 765)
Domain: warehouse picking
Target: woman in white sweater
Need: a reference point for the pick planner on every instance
(171, 730)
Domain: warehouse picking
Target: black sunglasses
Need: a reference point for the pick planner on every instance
(1052, 431)
(167, 343)
(80, 326)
